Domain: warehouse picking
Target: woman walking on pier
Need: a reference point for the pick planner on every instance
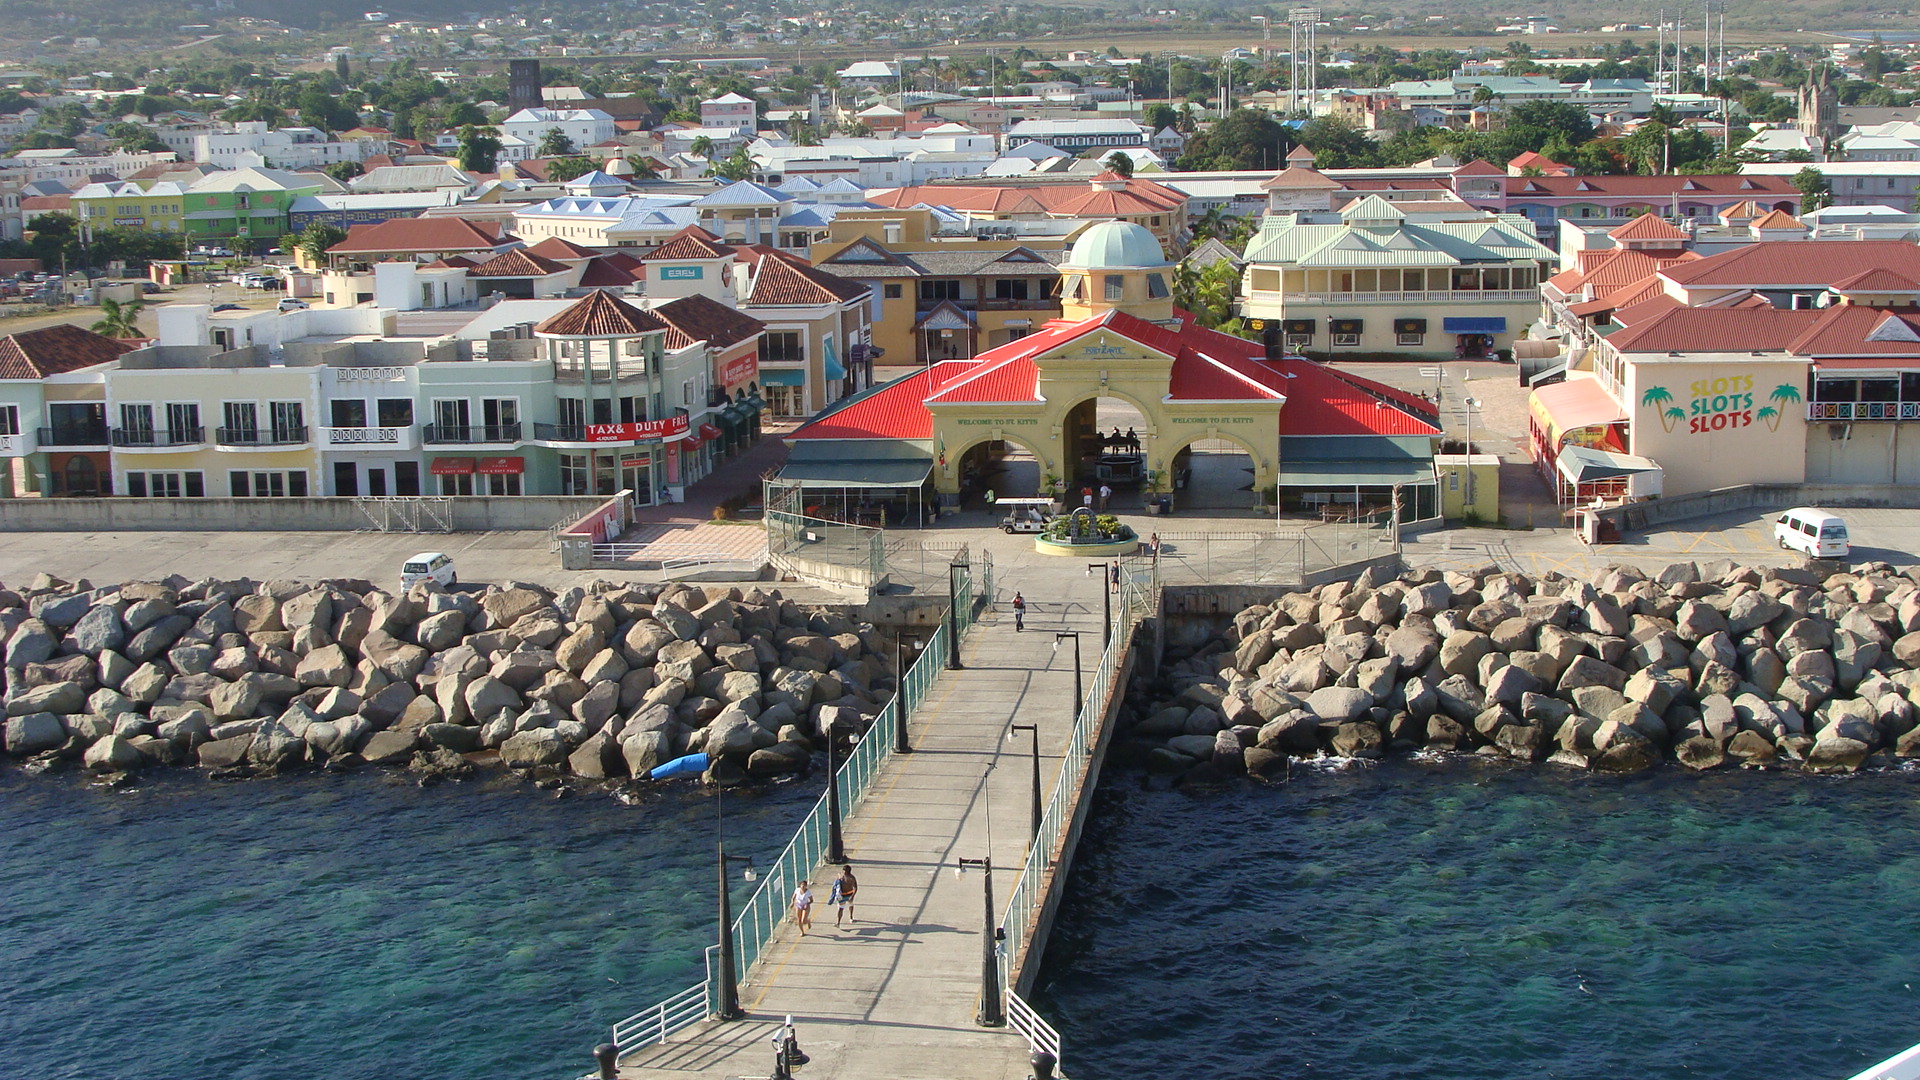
(803, 906)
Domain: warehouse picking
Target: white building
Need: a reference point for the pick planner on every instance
(729, 111)
(284, 148)
(585, 127)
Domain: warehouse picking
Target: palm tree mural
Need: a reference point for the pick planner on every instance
(1657, 396)
(1786, 394)
(1771, 415)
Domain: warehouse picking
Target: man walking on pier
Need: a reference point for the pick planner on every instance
(844, 887)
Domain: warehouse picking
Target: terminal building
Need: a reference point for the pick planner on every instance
(1313, 439)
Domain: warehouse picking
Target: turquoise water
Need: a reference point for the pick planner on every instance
(1427, 921)
(348, 927)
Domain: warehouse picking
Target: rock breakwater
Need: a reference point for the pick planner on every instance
(600, 683)
(1706, 665)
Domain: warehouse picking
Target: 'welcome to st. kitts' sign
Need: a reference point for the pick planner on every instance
(668, 430)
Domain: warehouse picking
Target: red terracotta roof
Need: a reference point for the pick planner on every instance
(52, 350)
(1567, 187)
(692, 242)
(607, 274)
(599, 314)
(1479, 168)
(1024, 198)
(702, 318)
(1648, 227)
(1878, 279)
(783, 282)
(517, 263)
(1796, 263)
(1715, 330)
(1776, 219)
(1843, 331)
(419, 235)
(554, 247)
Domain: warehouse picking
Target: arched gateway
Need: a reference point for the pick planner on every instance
(1119, 337)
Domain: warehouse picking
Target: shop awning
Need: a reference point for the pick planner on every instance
(691, 442)
(757, 402)
(1584, 465)
(708, 431)
(452, 466)
(1565, 407)
(1474, 324)
(794, 377)
(1375, 472)
(833, 368)
(502, 466)
(857, 463)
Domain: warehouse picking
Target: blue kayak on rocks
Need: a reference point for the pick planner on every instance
(690, 765)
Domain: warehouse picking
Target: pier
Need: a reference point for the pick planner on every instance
(912, 988)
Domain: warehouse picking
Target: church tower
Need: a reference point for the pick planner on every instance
(1819, 118)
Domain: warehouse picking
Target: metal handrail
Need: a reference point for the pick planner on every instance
(1040, 1034)
(760, 917)
(470, 433)
(254, 436)
(135, 437)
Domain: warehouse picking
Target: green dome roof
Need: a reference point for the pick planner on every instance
(1116, 244)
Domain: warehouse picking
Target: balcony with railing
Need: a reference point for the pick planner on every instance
(563, 433)
(1863, 410)
(367, 438)
(159, 438)
(75, 435)
(18, 445)
(254, 438)
(470, 434)
(997, 304)
(1412, 296)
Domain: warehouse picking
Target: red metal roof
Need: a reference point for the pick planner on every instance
(1715, 330)
(1568, 187)
(897, 410)
(1321, 401)
(1845, 330)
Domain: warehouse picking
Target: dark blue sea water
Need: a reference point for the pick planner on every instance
(1455, 921)
(347, 927)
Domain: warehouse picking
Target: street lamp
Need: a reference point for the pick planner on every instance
(1470, 404)
(728, 1006)
(992, 1011)
(953, 615)
(836, 849)
(1106, 602)
(900, 643)
(1033, 730)
(1079, 695)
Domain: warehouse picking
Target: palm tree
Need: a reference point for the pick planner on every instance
(701, 147)
(1771, 415)
(1672, 416)
(119, 320)
(1658, 396)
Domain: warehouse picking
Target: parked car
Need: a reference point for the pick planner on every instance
(288, 303)
(230, 307)
(435, 566)
(1813, 531)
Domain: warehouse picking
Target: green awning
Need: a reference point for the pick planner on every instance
(863, 463)
(1374, 472)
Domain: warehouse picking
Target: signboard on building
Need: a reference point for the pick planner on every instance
(739, 369)
(682, 273)
(670, 429)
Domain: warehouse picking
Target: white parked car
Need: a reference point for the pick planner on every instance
(289, 303)
(436, 566)
(1813, 531)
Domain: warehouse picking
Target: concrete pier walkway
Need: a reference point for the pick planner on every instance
(894, 996)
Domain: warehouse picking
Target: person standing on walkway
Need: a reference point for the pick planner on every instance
(1019, 612)
(1114, 578)
(803, 906)
(1086, 497)
(844, 888)
(1106, 497)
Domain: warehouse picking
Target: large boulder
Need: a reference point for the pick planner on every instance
(98, 631)
(1460, 653)
(113, 754)
(1587, 671)
(1338, 704)
(34, 733)
(527, 749)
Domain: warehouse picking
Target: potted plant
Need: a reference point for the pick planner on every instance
(1158, 501)
(1054, 488)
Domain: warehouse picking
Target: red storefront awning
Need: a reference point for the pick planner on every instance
(452, 466)
(502, 466)
(691, 442)
(708, 431)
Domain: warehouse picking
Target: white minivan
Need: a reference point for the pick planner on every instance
(435, 566)
(1813, 531)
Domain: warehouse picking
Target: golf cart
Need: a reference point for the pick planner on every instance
(1025, 515)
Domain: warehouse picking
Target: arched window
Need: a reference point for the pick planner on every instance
(81, 477)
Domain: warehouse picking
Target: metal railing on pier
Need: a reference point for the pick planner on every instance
(1138, 598)
(760, 917)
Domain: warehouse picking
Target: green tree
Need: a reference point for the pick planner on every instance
(465, 114)
(1209, 293)
(701, 147)
(735, 166)
(562, 169)
(1120, 163)
(119, 320)
(1815, 191)
(134, 138)
(479, 149)
(1247, 139)
(555, 143)
(314, 240)
(1159, 116)
(344, 171)
(642, 168)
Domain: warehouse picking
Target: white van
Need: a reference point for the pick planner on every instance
(435, 566)
(1813, 531)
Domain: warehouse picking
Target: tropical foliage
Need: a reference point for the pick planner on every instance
(119, 320)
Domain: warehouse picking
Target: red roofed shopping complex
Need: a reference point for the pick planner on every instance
(1323, 437)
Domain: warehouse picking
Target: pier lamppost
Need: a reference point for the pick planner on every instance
(836, 849)
(727, 1007)
(1079, 694)
(953, 614)
(992, 1010)
(900, 643)
(1033, 730)
(1106, 601)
